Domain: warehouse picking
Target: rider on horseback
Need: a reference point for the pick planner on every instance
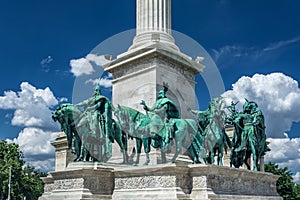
(165, 109)
(99, 115)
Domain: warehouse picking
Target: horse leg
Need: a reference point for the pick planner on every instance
(178, 150)
(139, 143)
(146, 143)
(231, 161)
(192, 154)
(254, 157)
(78, 146)
(119, 140)
(84, 154)
(78, 143)
(212, 156)
(83, 151)
(220, 155)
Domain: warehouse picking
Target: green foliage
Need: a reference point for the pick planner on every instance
(285, 185)
(297, 191)
(25, 181)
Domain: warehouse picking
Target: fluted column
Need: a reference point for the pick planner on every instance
(153, 23)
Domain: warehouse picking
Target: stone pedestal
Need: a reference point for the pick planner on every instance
(63, 154)
(170, 181)
(84, 182)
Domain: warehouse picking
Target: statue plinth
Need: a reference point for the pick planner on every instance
(93, 180)
(63, 155)
(167, 181)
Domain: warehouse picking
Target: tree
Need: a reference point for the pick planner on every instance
(33, 187)
(285, 185)
(24, 181)
(297, 191)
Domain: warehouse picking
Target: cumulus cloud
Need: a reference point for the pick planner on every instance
(31, 105)
(276, 94)
(35, 144)
(104, 82)
(32, 110)
(81, 66)
(84, 66)
(286, 153)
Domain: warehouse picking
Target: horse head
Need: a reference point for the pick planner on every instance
(54, 116)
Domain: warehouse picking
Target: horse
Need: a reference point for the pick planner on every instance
(72, 118)
(184, 131)
(213, 130)
(66, 119)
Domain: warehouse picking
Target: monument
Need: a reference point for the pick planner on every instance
(155, 71)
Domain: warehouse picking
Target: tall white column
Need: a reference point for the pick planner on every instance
(153, 23)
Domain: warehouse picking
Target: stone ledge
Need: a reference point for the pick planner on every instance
(165, 181)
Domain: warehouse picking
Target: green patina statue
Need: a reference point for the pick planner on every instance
(91, 125)
(211, 126)
(164, 109)
(64, 114)
(90, 130)
(249, 135)
(98, 113)
(160, 126)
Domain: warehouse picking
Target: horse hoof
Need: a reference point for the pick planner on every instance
(146, 163)
(135, 164)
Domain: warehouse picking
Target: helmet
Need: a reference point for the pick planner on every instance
(162, 93)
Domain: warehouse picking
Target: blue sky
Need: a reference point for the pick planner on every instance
(38, 39)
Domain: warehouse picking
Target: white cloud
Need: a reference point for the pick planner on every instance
(286, 153)
(36, 145)
(81, 66)
(44, 165)
(45, 63)
(276, 94)
(233, 51)
(62, 99)
(84, 66)
(98, 60)
(228, 53)
(32, 109)
(283, 43)
(31, 105)
(104, 82)
(47, 60)
(35, 142)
